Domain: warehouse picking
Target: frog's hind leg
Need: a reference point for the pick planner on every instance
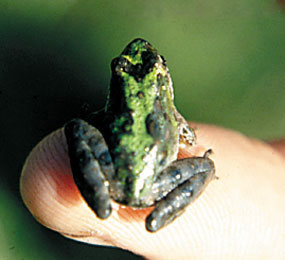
(183, 181)
(91, 164)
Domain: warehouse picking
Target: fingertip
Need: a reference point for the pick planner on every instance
(50, 194)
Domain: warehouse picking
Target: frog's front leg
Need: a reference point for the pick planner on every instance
(183, 181)
(91, 165)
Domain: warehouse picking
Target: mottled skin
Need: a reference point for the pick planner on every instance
(128, 151)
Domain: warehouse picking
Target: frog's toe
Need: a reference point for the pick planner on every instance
(152, 224)
(161, 217)
(169, 208)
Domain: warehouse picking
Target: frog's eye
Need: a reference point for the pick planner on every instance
(149, 58)
(120, 64)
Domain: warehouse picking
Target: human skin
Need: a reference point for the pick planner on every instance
(240, 215)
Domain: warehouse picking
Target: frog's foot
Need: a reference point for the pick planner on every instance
(90, 163)
(187, 134)
(183, 181)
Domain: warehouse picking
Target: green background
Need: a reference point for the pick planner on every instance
(227, 60)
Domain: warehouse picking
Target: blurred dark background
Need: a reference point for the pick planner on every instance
(227, 61)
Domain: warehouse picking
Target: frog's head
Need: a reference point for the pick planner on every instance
(136, 51)
(139, 69)
(137, 59)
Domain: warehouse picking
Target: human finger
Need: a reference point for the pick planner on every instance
(226, 220)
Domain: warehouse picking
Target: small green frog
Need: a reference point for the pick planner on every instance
(128, 151)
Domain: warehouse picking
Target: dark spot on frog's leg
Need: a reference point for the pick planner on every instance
(105, 158)
(182, 186)
(176, 173)
(86, 169)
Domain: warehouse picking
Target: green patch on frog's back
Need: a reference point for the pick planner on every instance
(136, 142)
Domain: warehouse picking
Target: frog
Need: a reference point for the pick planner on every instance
(127, 151)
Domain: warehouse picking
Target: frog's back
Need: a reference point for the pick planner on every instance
(142, 135)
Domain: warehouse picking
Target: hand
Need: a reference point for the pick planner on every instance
(240, 215)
